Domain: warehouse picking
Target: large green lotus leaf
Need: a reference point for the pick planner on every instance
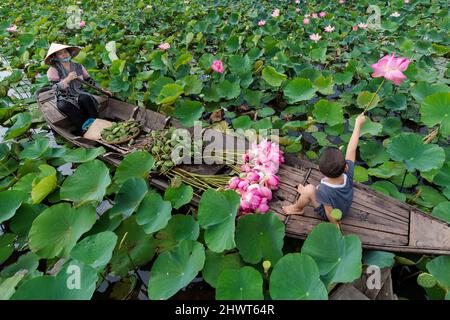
(442, 177)
(27, 262)
(87, 184)
(410, 180)
(328, 112)
(188, 111)
(260, 237)
(169, 93)
(154, 213)
(424, 89)
(219, 221)
(382, 259)
(387, 169)
(430, 196)
(75, 281)
(57, 229)
(239, 64)
(179, 228)
(338, 257)
(96, 250)
(242, 284)
(367, 100)
(325, 85)
(389, 189)
(134, 248)
(373, 152)
(392, 126)
(6, 246)
(369, 127)
(435, 109)
(35, 149)
(130, 195)
(175, 269)
(191, 84)
(43, 184)
(80, 155)
(439, 268)
(396, 102)
(210, 213)
(137, 164)
(299, 89)
(183, 58)
(25, 184)
(296, 277)
(8, 167)
(20, 224)
(442, 211)
(8, 286)
(21, 124)
(10, 201)
(217, 262)
(228, 90)
(410, 149)
(272, 77)
(179, 196)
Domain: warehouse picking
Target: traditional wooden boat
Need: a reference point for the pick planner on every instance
(381, 222)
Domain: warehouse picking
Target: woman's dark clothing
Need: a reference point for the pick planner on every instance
(73, 101)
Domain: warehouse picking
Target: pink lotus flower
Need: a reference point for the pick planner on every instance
(297, 10)
(297, 1)
(322, 14)
(363, 25)
(82, 24)
(164, 46)
(255, 199)
(355, 28)
(261, 23)
(329, 29)
(315, 37)
(341, 1)
(395, 14)
(315, 15)
(306, 21)
(391, 68)
(406, 1)
(37, 75)
(12, 28)
(217, 66)
(275, 13)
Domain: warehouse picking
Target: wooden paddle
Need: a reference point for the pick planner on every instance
(95, 87)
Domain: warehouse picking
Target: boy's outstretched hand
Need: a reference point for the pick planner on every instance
(360, 119)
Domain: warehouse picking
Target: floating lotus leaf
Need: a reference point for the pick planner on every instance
(179, 196)
(442, 211)
(328, 112)
(130, 195)
(154, 213)
(299, 89)
(296, 277)
(410, 149)
(43, 184)
(87, 184)
(80, 155)
(188, 111)
(96, 250)
(389, 189)
(6, 246)
(57, 229)
(260, 237)
(175, 269)
(272, 77)
(179, 228)
(10, 201)
(338, 257)
(382, 259)
(215, 263)
(128, 168)
(439, 267)
(435, 110)
(242, 284)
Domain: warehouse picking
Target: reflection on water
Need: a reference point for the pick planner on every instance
(2, 133)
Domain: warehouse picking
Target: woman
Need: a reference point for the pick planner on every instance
(72, 100)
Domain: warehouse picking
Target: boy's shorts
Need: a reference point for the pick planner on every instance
(320, 210)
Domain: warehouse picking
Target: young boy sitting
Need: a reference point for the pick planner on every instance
(335, 191)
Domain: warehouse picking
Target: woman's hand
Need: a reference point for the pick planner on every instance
(109, 93)
(72, 75)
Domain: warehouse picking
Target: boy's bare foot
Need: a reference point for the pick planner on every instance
(292, 209)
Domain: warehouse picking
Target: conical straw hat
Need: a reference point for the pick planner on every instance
(55, 47)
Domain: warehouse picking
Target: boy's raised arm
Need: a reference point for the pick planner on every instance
(353, 143)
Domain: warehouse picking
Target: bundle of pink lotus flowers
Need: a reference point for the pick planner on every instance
(258, 177)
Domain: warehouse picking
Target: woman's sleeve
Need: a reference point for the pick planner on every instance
(53, 77)
(87, 77)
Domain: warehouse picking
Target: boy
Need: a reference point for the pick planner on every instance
(335, 191)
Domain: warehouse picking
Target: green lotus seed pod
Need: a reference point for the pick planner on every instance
(336, 214)
(426, 280)
(167, 148)
(115, 130)
(266, 265)
(168, 163)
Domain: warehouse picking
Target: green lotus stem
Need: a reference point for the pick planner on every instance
(373, 97)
